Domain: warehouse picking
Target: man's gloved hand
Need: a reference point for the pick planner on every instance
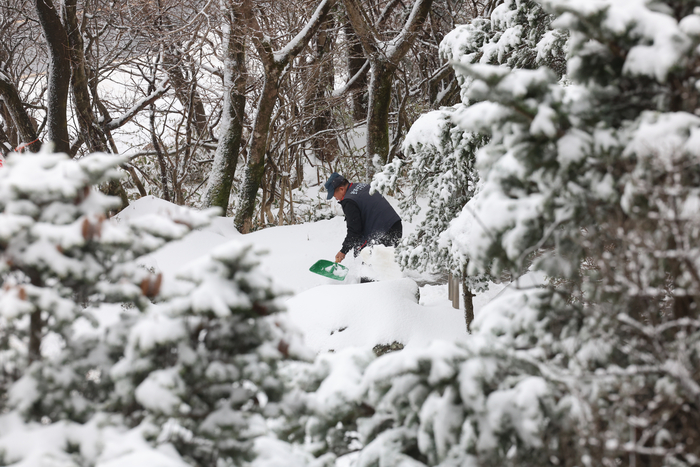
(339, 257)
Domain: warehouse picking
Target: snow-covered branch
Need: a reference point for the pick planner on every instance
(352, 81)
(400, 45)
(297, 44)
(161, 89)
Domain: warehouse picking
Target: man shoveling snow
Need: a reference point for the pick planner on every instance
(369, 217)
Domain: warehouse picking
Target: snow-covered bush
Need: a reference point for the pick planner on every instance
(440, 168)
(595, 184)
(190, 376)
(440, 155)
(488, 401)
(60, 256)
(203, 364)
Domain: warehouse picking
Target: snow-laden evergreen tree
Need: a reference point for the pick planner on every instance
(328, 395)
(440, 156)
(481, 402)
(65, 270)
(205, 363)
(596, 184)
(60, 257)
(190, 375)
(593, 182)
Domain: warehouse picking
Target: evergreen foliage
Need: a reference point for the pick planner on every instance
(196, 368)
(204, 364)
(592, 181)
(601, 178)
(488, 401)
(61, 258)
(440, 156)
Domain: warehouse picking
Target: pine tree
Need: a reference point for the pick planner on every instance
(593, 181)
(205, 364)
(481, 402)
(199, 368)
(61, 257)
(595, 184)
(440, 162)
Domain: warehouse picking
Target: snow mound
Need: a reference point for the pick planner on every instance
(370, 314)
(364, 315)
(149, 205)
(378, 263)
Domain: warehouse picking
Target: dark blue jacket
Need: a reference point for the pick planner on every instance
(368, 217)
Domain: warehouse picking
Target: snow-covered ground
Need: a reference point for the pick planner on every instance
(331, 314)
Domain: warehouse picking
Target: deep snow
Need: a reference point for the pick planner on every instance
(331, 314)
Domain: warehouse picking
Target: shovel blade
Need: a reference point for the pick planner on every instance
(329, 269)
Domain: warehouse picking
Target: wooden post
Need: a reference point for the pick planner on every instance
(449, 286)
(455, 294)
(453, 290)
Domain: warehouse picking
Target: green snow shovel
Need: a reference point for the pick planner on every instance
(329, 269)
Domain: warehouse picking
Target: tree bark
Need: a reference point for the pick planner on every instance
(274, 65)
(326, 144)
(226, 157)
(20, 119)
(160, 155)
(5, 145)
(59, 74)
(380, 88)
(256, 154)
(93, 134)
(189, 98)
(468, 304)
(384, 62)
(36, 327)
(135, 178)
(356, 60)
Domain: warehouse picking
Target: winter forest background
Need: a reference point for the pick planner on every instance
(551, 139)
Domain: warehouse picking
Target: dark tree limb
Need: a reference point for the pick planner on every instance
(59, 74)
(227, 151)
(384, 62)
(274, 64)
(20, 119)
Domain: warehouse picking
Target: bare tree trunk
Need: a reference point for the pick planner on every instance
(384, 64)
(380, 87)
(135, 178)
(226, 157)
(12, 136)
(292, 220)
(159, 154)
(356, 60)
(284, 181)
(189, 97)
(36, 326)
(92, 133)
(59, 74)
(326, 144)
(256, 155)
(5, 145)
(22, 123)
(468, 304)
(36, 323)
(274, 65)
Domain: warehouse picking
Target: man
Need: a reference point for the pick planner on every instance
(370, 219)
